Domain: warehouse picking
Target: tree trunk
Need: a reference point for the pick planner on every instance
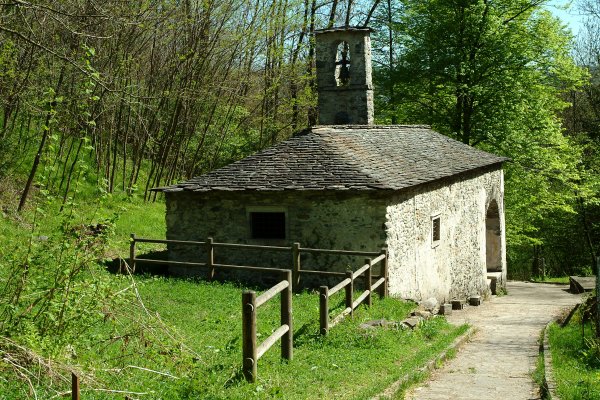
(45, 134)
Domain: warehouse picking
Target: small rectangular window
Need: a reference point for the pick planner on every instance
(267, 225)
(435, 229)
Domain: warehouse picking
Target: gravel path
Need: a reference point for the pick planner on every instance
(498, 361)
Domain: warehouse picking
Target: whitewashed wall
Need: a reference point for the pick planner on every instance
(455, 267)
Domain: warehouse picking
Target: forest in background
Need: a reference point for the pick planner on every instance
(133, 95)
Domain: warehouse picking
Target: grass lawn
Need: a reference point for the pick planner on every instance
(199, 355)
(548, 279)
(349, 363)
(575, 361)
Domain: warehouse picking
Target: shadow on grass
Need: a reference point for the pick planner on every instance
(243, 279)
(120, 265)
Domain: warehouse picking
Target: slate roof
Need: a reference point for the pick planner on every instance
(346, 158)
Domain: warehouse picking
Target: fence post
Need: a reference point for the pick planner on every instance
(369, 299)
(74, 386)
(287, 340)
(296, 266)
(350, 292)
(210, 255)
(249, 335)
(324, 309)
(598, 296)
(383, 291)
(132, 253)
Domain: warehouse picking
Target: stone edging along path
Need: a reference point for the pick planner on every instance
(430, 366)
(498, 360)
(549, 384)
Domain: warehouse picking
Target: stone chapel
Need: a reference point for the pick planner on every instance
(435, 203)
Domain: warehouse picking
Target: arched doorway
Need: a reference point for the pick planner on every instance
(493, 245)
(493, 242)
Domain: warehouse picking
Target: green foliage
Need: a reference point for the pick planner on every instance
(576, 360)
(492, 75)
(60, 310)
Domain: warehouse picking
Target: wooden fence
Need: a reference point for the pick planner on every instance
(291, 279)
(348, 284)
(251, 352)
(210, 246)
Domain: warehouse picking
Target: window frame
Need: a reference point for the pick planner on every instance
(436, 217)
(266, 209)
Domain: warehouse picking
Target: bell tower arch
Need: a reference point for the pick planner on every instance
(344, 76)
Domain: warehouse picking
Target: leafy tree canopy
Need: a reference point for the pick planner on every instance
(491, 74)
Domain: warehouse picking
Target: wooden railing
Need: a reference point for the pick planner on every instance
(250, 304)
(210, 245)
(348, 284)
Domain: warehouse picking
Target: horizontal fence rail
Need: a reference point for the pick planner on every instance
(251, 352)
(210, 245)
(348, 284)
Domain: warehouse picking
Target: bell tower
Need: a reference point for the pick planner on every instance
(344, 82)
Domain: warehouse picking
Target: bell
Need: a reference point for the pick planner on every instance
(344, 75)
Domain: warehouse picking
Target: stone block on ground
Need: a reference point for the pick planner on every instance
(475, 300)
(412, 322)
(423, 314)
(458, 304)
(430, 304)
(445, 309)
(378, 323)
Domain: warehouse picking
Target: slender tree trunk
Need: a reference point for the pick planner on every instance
(331, 21)
(45, 134)
(348, 12)
(66, 162)
(67, 188)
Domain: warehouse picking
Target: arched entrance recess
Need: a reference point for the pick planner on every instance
(493, 242)
(493, 245)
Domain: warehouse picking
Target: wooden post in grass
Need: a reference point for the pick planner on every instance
(324, 309)
(287, 340)
(350, 292)
(74, 387)
(132, 254)
(369, 272)
(249, 348)
(210, 258)
(598, 296)
(295, 266)
(383, 291)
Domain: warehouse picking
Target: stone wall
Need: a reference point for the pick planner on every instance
(455, 266)
(351, 103)
(335, 220)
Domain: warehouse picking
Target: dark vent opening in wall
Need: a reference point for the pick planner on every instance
(267, 225)
(435, 229)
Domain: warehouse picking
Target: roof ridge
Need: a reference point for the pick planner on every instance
(362, 127)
